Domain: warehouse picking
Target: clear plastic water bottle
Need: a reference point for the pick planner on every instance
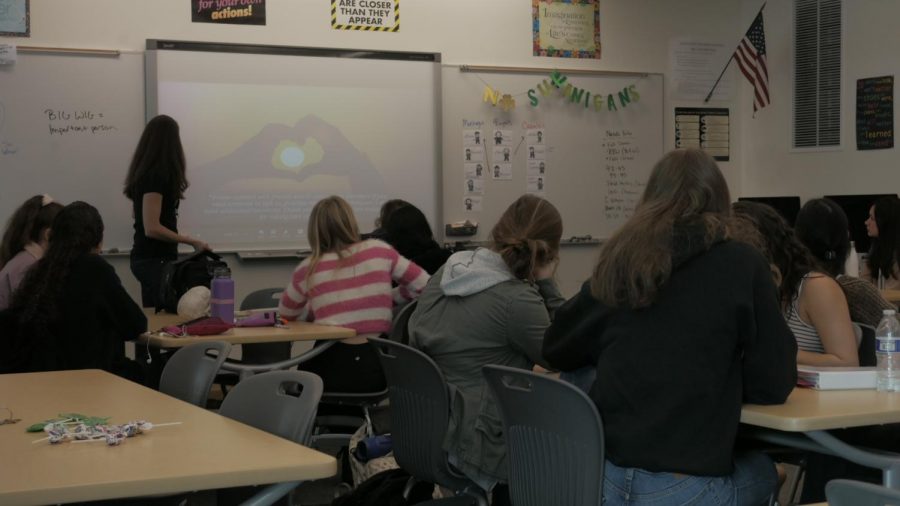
(221, 300)
(851, 266)
(887, 350)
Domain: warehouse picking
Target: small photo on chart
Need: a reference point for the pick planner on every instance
(474, 186)
(537, 167)
(473, 137)
(536, 152)
(535, 136)
(502, 137)
(474, 170)
(535, 184)
(501, 170)
(473, 154)
(501, 154)
(472, 203)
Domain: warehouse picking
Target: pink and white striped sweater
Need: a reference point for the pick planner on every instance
(353, 291)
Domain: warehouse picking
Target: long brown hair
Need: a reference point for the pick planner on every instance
(527, 235)
(637, 260)
(26, 225)
(158, 154)
(332, 228)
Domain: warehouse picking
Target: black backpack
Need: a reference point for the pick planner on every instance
(180, 276)
(386, 489)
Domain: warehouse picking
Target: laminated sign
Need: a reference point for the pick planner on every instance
(366, 15)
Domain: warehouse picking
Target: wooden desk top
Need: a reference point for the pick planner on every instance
(206, 451)
(807, 409)
(892, 296)
(296, 331)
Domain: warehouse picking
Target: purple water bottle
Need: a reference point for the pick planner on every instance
(221, 301)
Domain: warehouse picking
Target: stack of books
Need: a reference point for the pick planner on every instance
(836, 378)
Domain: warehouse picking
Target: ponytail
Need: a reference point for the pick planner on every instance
(26, 225)
(527, 235)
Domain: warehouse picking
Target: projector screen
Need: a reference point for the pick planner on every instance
(270, 130)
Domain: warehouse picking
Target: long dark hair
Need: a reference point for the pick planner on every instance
(407, 230)
(26, 225)
(75, 232)
(527, 235)
(783, 249)
(158, 153)
(823, 227)
(884, 253)
(637, 260)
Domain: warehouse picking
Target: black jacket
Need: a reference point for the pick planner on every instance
(671, 377)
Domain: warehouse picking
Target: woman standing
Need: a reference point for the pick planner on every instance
(682, 326)
(24, 242)
(155, 184)
(883, 226)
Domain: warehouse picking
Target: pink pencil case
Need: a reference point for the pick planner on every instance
(205, 326)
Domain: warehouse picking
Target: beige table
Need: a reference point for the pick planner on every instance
(892, 296)
(206, 451)
(812, 413)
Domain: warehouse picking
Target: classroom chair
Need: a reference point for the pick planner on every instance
(866, 345)
(420, 414)
(400, 325)
(190, 372)
(554, 436)
(857, 493)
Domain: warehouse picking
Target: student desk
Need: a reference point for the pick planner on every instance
(813, 413)
(295, 331)
(206, 451)
(892, 296)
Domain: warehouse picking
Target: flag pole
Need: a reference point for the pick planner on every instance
(709, 95)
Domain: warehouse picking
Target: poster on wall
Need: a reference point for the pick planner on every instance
(566, 28)
(875, 113)
(366, 15)
(231, 12)
(15, 18)
(706, 128)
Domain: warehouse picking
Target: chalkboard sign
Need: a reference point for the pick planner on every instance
(875, 113)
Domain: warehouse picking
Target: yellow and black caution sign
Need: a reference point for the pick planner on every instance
(366, 15)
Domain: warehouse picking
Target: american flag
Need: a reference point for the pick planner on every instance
(751, 58)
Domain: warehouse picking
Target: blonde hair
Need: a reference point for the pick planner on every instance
(332, 228)
(527, 235)
(637, 260)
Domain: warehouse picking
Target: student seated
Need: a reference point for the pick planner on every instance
(682, 326)
(813, 304)
(883, 226)
(24, 242)
(407, 230)
(822, 226)
(347, 282)
(490, 306)
(71, 311)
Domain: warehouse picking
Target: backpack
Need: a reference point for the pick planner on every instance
(386, 489)
(180, 276)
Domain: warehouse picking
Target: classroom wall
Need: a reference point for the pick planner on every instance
(769, 165)
(635, 37)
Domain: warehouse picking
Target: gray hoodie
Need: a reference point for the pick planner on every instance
(474, 312)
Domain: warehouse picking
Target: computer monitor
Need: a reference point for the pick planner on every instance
(787, 207)
(856, 207)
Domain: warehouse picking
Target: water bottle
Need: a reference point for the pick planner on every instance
(221, 300)
(851, 266)
(887, 341)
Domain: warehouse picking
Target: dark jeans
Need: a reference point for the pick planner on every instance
(148, 271)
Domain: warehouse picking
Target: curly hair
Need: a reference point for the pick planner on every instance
(26, 225)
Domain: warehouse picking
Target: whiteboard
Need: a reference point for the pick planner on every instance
(596, 159)
(68, 127)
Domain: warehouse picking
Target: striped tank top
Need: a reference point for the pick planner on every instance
(806, 335)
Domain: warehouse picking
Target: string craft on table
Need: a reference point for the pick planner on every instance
(83, 429)
(9, 419)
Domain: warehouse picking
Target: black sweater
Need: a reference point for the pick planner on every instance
(671, 377)
(96, 317)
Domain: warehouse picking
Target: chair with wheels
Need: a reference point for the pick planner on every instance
(190, 372)
(556, 452)
(420, 414)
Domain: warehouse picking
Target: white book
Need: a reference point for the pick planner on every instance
(836, 378)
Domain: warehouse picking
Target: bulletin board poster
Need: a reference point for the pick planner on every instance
(15, 18)
(566, 28)
(366, 15)
(231, 12)
(705, 128)
(875, 113)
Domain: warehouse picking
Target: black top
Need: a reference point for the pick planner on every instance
(671, 377)
(145, 247)
(97, 316)
(431, 259)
